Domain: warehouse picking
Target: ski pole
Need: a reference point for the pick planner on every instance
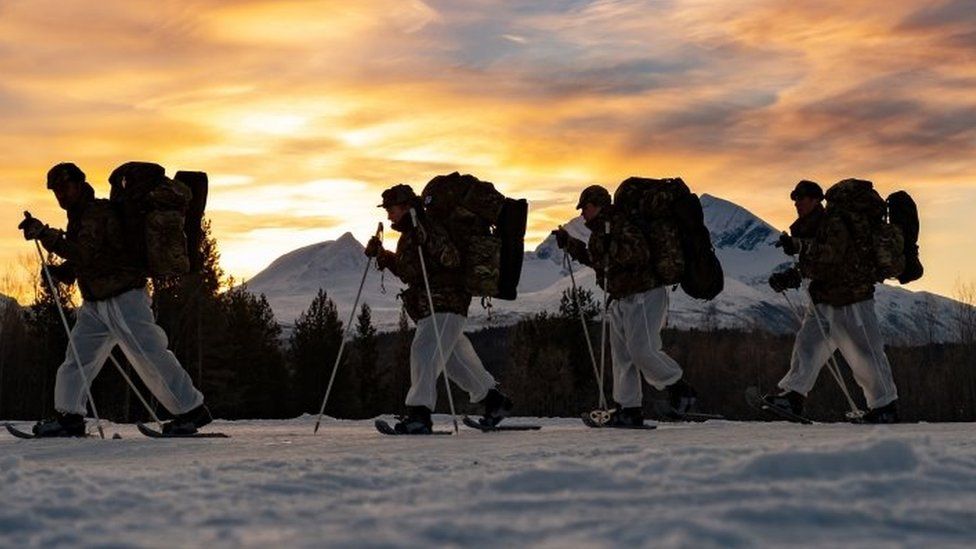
(71, 341)
(568, 263)
(345, 333)
(606, 305)
(433, 319)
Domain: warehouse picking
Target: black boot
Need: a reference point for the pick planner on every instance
(682, 396)
(497, 407)
(188, 423)
(627, 417)
(885, 414)
(791, 401)
(61, 425)
(416, 422)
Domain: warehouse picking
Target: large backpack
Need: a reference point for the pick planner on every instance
(673, 223)
(153, 210)
(884, 233)
(487, 228)
(198, 184)
(903, 213)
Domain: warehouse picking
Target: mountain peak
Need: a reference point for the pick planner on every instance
(733, 226)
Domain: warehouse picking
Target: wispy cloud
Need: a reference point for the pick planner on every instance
(303, 111)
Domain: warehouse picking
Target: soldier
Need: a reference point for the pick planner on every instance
(638, 307)
(841, 315)
(451, 301)
(115, 311)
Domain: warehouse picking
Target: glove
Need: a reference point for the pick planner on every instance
(790, 245)
(785, 280)
(63, 273)
(373, 247)
(32, 227)
(562, 238)
(420, 234)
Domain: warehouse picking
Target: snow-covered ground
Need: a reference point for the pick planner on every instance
(718, 484)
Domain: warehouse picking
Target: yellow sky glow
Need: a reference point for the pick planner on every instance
(303, 112)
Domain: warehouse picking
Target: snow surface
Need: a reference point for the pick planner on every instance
(718, 484)
(743, 242)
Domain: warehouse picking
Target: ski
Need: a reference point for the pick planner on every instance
(385, 428)
(665, 412)
(153, 433)
(31, 436)
(477, 424)
(754, 400)
(589, 419)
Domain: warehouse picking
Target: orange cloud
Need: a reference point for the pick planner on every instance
(302, 112)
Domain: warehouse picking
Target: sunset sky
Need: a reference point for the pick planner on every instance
(303, 111)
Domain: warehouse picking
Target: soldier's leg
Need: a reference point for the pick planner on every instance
(94, 342)
(464, 367)
(810, 350)
(425, 361)
(646, 314)
(627, 390)
(145, 345)
(859, 338)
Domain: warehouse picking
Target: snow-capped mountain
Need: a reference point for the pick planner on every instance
(743, 242)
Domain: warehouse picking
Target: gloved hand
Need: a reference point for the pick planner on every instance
(63, 273)
(373, 247)
(790, 245)
(562, 238)
(32, 227)
(785, 280)
(420, 234)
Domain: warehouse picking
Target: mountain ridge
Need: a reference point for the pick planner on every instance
(743, 243)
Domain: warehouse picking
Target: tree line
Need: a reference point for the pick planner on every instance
(230, 343)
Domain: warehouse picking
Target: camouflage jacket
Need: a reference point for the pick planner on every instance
(94, 248)
(443, 267)
(831, 261)
(627, 262)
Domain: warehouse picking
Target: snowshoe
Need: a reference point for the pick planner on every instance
(484, 427)
(790, 401)
(61, 425)
(885, 414)
(665, 412)
(782, 408)
(625, 418)
(152, 433)
(416, 422)
(682, 396)
(497, 408)
(188, 423)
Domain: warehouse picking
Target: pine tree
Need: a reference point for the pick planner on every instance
(249, 378)
(48, 340)
(401, 357)
(570, 308)
(365, 344)
(314, 344)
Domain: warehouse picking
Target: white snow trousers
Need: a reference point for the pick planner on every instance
(635, 342)
(854, 330)
(463, 365)
(125, 320)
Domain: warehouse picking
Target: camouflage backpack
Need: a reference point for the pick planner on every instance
(487, 228)
(672, 220)
(880, 246)
(158, 214)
